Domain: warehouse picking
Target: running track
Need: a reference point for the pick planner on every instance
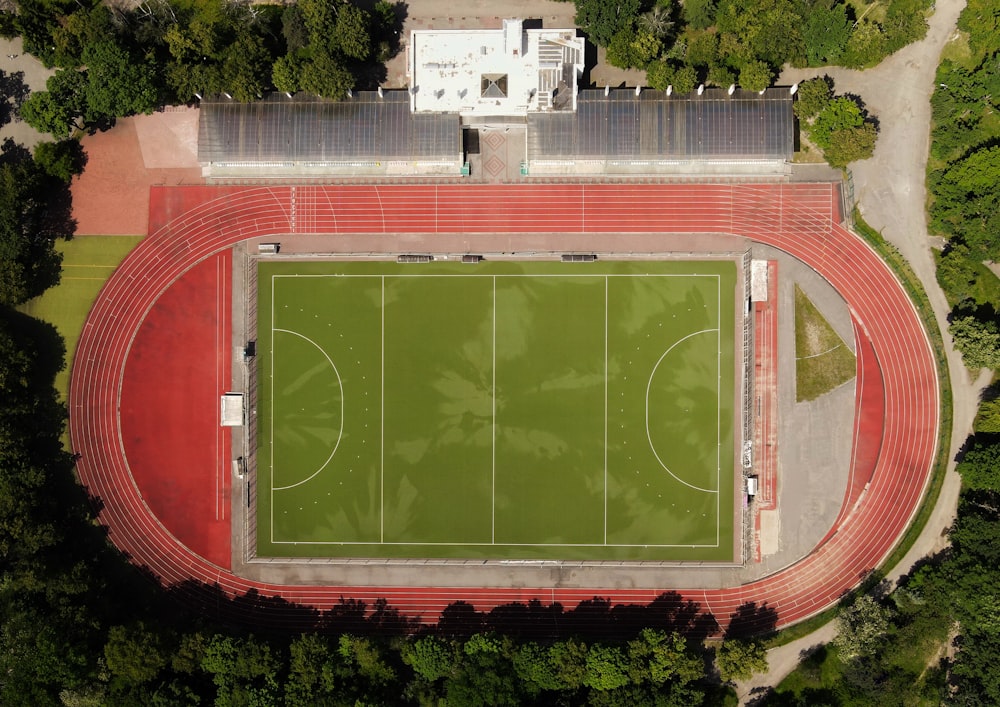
(797, 218)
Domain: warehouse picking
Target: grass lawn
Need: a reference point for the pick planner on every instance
(500, 410)
(822, 359)
(87, 264)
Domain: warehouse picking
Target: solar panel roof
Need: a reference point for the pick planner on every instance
(310, 129)
(621, 124)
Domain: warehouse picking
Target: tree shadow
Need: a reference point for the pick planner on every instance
(751, 620)
(459, 620)
(13, 92)
(12, 152)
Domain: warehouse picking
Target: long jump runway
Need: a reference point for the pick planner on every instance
(801, 219)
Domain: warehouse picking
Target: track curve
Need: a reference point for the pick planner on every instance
(797, 218)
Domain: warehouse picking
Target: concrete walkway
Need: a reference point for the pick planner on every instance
(890, 188)
(33, 75)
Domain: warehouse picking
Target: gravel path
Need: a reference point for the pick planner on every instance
(890, 188)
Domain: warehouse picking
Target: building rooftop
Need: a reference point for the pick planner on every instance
(645, 124)
(498, 72)
(366, 126)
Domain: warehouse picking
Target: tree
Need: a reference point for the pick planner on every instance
(118, 83)
(293, 28)
(720, 76)
(851, 144)
(980, 467)
(325, 76)
(352, 32)
(535, 668)
(839, 114)
(606, 668)
(658, 75)
(621, 49)
(311, 675)
(904, 23)
(30, 222)
(700, 14)
(134, 655)
(702, 48)
(760, 30)
(755, 76)
(866, 46)
(812, 97)
(685, 80)
(368, 657)
(286, 73)
(246, 68)
(658, 657)
(978, 340)
(825, 32)
(63, 160)
(244, 670)
(740, 660)
(861, 628)
(967, 201)
(43, 112)
(658, 21)
(61, 107)
(430, 657)
(988, 417)
(602, 20)
(569, 658)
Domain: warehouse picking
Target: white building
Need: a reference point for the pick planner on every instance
(494, 72)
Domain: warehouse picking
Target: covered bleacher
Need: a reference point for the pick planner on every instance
(632, 133)
(367, 134)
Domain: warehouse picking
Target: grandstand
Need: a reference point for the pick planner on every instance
(515, 92)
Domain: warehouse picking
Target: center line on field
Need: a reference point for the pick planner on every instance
(605, 410)
(381, 442)
(493, 481)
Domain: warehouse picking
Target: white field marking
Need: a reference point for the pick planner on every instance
(381, 208)
(340, 433)
(718, 408)
(512, 275)
(441, 544)
(501, 275)
(821, 353)
(493, 481)
(605, 410)
(649, 385)
(381, 442)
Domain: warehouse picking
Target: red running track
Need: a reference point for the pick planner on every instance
(797, 218)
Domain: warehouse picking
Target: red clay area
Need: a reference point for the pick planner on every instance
(177, 368)
(111, 197)
(797, 218)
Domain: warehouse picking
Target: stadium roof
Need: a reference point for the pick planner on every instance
(307, 129)
(652, 125)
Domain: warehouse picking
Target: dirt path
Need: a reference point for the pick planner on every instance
(890, 188)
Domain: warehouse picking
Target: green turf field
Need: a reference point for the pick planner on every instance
(87, 264)
(504, 410)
